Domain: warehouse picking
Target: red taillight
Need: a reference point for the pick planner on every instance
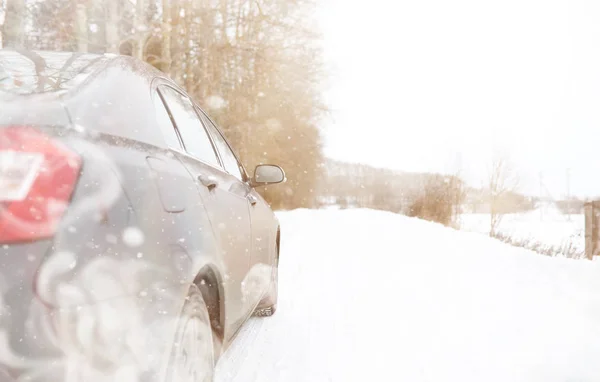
(37, 178)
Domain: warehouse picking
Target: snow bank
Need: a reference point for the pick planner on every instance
(374, 296)
(548, 227)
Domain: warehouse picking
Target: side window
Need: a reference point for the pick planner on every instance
(230, 162)
(164, 122)
(195, 138)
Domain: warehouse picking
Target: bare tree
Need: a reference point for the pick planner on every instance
(258, 59)
(13, 30)
(81, 28)
(113, 40)
(503, 180)
(141, 33)
(165, 62)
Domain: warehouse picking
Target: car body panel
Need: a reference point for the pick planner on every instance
(228, 210)
(264, 227)
(264, 223)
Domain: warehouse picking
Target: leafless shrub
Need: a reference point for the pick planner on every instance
(571, 206)
(439, 200)
(567, 250)
(502, 182)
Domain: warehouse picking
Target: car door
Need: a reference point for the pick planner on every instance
(226, 202)
(263, 230)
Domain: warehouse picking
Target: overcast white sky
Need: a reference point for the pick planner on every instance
(424, 85)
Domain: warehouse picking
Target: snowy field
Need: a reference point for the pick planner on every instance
(374, 296)
(546, 226)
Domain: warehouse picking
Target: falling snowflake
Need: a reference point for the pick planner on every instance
(133, 237)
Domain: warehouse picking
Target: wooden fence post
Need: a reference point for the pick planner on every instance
(592, 212)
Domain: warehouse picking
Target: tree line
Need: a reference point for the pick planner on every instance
(436, 197)
(432, 197)
(254, 65)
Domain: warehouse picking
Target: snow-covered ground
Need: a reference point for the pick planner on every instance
(374, 296)
(546, 226)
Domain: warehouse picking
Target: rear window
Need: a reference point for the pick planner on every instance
(33, 72)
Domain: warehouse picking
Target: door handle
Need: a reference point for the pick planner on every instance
(208, 181)
(252, 199)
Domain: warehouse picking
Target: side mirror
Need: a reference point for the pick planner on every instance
(266, 174)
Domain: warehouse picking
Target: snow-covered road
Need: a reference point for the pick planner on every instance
(373, 296)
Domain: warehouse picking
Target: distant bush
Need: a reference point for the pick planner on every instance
(572, 206)
(439, 200)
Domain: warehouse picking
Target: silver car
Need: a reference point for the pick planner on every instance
(133, 244)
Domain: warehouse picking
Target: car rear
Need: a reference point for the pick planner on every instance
(61, 207)
(70, 260)
(82, 289)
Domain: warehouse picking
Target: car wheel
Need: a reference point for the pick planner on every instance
(192, 355)
(268, 305)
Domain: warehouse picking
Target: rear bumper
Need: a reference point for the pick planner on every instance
(89, 340)
(85, 315)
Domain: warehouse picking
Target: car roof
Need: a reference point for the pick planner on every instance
(24, 72)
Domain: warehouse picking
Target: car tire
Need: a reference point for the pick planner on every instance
(192, 355)
(268, 305)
